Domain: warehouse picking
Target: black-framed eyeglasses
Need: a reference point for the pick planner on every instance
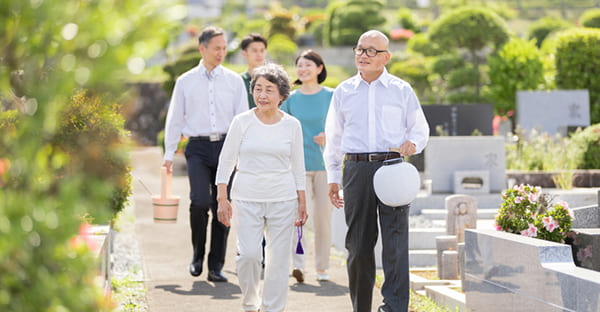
(370, 51)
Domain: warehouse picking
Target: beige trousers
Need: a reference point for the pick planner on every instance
(319, 220)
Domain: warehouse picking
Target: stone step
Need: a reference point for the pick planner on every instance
(422, 258)
(437, 201)
(440, 214)
(424, 238)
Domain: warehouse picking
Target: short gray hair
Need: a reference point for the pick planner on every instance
(273, 73)
(209, 33)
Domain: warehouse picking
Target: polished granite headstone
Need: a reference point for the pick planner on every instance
(445, 155)
(509, 272)
(553, 112)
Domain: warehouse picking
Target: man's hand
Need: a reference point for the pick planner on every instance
(169, 165)
(407, 148)
(334, 195)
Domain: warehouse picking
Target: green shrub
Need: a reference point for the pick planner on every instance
(185, 62)
(420, 43)
(160, 141)
(577, 59)
(466, 96)
(535, 151)
(587, 143)
(541, 28)
(414, 71)
(590, 18)
(473, 29)
(49, 49)
(91, 133)
(464, 76)
(517, 66)
(408, 20)
(446, 63)
(526, 211)
(281, 21)
(348, 20)
(281, 49)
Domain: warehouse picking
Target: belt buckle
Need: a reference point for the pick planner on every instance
(370, 157)
(214, 137)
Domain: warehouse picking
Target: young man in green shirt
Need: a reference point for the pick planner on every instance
(254, 50)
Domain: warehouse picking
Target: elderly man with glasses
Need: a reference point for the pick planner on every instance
(369, 114)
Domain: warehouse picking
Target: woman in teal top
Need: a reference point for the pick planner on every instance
(310, 104)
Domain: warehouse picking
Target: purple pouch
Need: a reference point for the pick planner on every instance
(299, 249)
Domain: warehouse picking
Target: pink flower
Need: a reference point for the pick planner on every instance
(518, 200)
(498, 228)
(532, 230)
(571, 214)
(550, 224)
(525, 233)
(564, 204)
(532, 198)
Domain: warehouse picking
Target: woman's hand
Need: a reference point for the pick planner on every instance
(224, 212)
(224, 206)
(302, 214)
(320, 139)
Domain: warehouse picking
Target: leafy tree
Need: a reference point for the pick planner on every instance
(517, 66)
(472, 29)
(281, 21)
(541, 28)
(348, 20)
(50, 49)
(281, 49)
(577, 59)
(420, 43)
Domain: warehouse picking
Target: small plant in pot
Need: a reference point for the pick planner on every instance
(526, 211)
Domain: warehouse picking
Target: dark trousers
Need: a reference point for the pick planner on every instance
(202, 160)
(361, 207)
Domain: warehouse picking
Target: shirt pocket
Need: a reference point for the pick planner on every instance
(392, 118)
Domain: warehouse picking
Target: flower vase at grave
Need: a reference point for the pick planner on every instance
(165, 205)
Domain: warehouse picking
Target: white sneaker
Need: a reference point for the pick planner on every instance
(322, 277)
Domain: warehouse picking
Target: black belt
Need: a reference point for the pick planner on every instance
(381, 156)
(211, 138)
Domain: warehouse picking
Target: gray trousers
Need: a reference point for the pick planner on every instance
(361, 208)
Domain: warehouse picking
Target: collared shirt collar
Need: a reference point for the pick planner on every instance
(384, 79)
(214, 73)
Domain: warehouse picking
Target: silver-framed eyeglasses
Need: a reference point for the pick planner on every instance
(370, 51)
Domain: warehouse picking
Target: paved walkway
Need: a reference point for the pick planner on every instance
(166, 252)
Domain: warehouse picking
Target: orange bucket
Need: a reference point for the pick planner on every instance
(165, 205)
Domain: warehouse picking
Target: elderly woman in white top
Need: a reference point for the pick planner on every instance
(267, 191)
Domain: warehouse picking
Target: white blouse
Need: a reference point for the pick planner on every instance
(269, 158)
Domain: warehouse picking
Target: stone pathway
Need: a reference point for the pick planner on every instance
(165, 251)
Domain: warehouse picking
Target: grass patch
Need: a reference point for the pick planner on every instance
(420, 303)
(130, 295)
(427, 274)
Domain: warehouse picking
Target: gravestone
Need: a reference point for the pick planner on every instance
(509, 272)
(553, 112)
(449, 265)
(445, 155)
(444, 243)
(460, 119)
(461, 214)
(455, 120)
(586, 248)
(461, 264)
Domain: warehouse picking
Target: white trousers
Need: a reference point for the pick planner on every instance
(319, 210)
(274, 220)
